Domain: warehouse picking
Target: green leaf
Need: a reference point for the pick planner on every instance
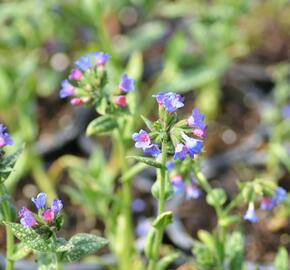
(282, 259)
(101, 125)
(82, 245)
(148, 249)
(234, 249)
(163, 220)
(149, 161)
(21, 251)
(148, 123)
(168, 190)
(7, 163)
(229, 220)
(47, 261)
(164, 263)
(216, 197)
(29, 237)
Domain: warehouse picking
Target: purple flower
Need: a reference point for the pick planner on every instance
(48, 215)
(142, 139)
(4, 137)
(126, 85)
(196, 120)
(171, 101)
(101, 58)
(193, 146)
(280, 195)
(138, 205)
(177, 184)
(170, 165)
(40, 200)
(267, 203)
(75, 75)
(26, 218)
(251, 215)
(84, 63)
(143, 227)
(192, 191)
(66, 90)
(180, 152)
(152, 150)
(56, 206)
(286, 111)
(201, 133)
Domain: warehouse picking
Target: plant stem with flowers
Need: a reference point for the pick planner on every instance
(6, 165)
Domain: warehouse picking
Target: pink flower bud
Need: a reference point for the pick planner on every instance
(201, 133)
(48, 215)
(76, 102)
(121, 101)
(75, 75)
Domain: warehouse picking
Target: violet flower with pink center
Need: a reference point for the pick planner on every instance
(171, 101)
(26, 218)
(193, 146)
(66, 90)
(192, 191)
(101, 58)
(84, 63)
(126, 85)
(177, 184)
(4, 137)
(196, 120)
(142, 139)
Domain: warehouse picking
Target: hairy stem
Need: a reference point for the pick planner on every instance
(161, 207)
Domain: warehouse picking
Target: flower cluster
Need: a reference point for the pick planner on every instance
(4, 137)
(267, 203)
(45, 215)
(183, 144)
(87, 79)
(183, 181)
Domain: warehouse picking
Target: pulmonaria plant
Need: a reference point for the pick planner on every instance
(48, 217)
(86, 83)
(37, 232)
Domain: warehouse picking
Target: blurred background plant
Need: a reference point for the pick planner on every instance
(222, 53)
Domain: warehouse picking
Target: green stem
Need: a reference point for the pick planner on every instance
(5, 207)
(128, 238)
(161, 207)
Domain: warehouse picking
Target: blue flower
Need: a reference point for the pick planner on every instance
(143, 226)
(171, 101)
(180, 152)
(40, 200)
(26, 218)
(101, 58)
(138, 205)
(66, 90)
(177, 184)
(126, 84)
(56, 206)
(84, 63)
(196, 120)
(142, 139)
(251, 215)
(193, 146)
(170, 165)
(280, 195)
(192, 192)
(286, 111)
(4, 137)
(152, 150)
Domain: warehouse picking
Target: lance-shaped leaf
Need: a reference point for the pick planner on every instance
(148, 123)
(101, 125)
(29, 237)
(82, 245)
(162, 220)
(149, 161)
